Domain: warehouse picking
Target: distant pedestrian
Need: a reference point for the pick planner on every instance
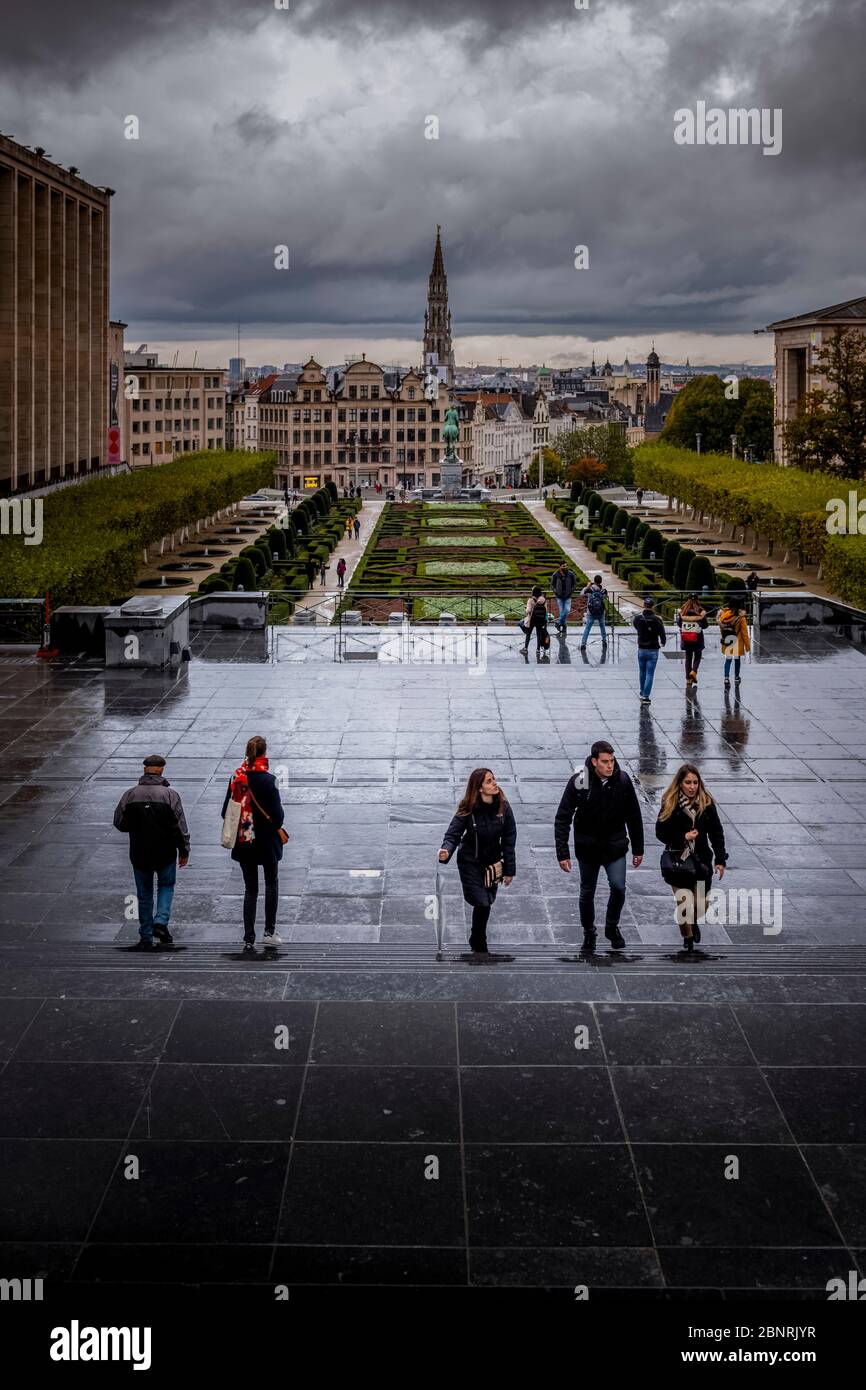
(358, 490)
(639, 496)
(563, 584)
(259, 839)
(734, 635)
(688, 823)
(596, 596)
(341, 571)
(484, 833)
(349, 521)
(600, 802)
(311, 571)
(651, 637)
(691, 620)
(752, 582)
(356, 526)
(151, 814)
(323, 570)
(535, 620)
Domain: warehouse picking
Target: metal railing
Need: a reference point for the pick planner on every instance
(22, 621)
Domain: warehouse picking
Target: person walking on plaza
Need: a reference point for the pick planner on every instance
(484, 833)
(688, 824)
(734, 635)
(651, 637)
(601, 804)
(341, 572)
(639, 495)
(563, 585)
(311, 571)
(349, 521)
(691, 620)
(535, 620)
(356, 526)
(259, 839)
(752, 582)
(151, 814)
(323, 570)
(595, 595)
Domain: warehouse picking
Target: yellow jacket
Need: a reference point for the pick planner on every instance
(739, 644)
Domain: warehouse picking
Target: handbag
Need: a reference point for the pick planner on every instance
(690, 629)
(681, 873)
(231, 821)
(284, 838)
(493, 874)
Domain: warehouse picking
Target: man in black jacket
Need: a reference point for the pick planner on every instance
(563, 582)
(601, 802)
(151, 814)
(651, 637)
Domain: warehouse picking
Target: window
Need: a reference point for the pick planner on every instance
(317, 395)
(307, 417)
(145, 405)
(327, 417)
(353, 417)
(411, 393)
(362, 416)
(317, 417)
(219, 423)
(157, 448)
(305, 396)
(136, 403)
(296, 415)
(157, 425)
(422, 413)
(157, 405)
(386, 413)
(136, 427)
(365, 393)
(374, 393)
(353, 393)
(374, 417)
(145, 448)
(410, 415)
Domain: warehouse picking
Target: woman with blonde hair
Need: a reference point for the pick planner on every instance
(484, 833)
(688, 824)
(734, 635)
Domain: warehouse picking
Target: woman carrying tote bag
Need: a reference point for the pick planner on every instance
(484, 833)
(252, 804)
(688, 824)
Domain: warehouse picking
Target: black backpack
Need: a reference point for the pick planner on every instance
(595, 603)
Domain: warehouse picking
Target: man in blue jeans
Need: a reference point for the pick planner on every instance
(595, 596)
(151, 814)
(651, 637)
(563, 584)
(600, 802)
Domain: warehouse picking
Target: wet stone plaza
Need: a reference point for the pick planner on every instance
(360, 1107)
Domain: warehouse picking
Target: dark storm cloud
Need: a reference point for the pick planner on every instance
(537, 154)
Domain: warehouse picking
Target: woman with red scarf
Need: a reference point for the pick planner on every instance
(260, 838)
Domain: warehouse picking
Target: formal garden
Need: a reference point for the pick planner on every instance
(472, 559)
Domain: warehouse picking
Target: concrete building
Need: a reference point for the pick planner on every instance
(798, 341)
(362, 428)
(118, 439)
(171, 410)
(54, 265)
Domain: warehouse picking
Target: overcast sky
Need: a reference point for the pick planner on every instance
(306, 127)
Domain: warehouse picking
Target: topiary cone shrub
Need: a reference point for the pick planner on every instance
(670, 555)
(700, 575)
(653, 544)
(244, 576)
(681, 569)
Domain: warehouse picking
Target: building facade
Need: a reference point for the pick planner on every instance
(798, 341)
(54, 267)
(171, 410)
(362, 430)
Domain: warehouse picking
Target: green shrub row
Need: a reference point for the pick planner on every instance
(94, 532)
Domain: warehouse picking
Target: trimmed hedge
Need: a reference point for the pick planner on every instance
(94, 533)
(681, 569)
(653, 543)
(845, 568)
(670, 555)
(245, 576)
(700, 575)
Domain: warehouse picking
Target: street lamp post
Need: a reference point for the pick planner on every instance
(733, 446)
(698, 438)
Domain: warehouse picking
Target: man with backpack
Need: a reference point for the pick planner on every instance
(596, 597)
(651, 637)
(151, 814)
(535, 620)
(600, 802)
(563, 583)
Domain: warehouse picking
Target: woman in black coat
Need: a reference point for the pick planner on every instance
(483, 832)
(260, 837)
(688, 825)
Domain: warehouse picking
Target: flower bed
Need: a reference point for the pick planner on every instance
(459, 540)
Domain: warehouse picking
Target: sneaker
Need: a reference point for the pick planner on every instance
(696, 933)
(727, 685)
(271, 938)
(736, 680)
(589, 941)
(615, 937)
(645, 700)
(144, 944)
(162, 934)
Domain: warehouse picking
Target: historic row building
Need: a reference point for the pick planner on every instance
(798, 341)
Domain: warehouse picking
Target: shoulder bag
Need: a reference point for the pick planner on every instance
(493, 873)
(283, 834)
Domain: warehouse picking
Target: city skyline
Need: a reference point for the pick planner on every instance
(317, 141)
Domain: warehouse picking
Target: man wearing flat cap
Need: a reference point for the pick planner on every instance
(151, 814)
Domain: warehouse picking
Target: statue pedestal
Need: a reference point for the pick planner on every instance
(451, 475)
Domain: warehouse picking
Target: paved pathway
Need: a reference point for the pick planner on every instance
(325, 599)
(582, 555)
